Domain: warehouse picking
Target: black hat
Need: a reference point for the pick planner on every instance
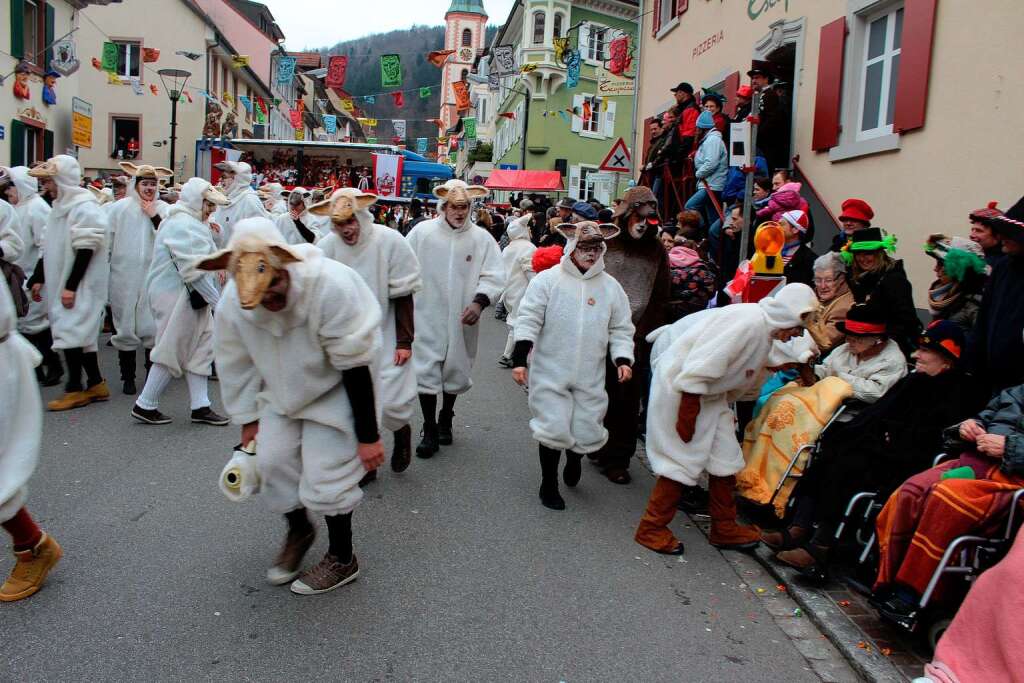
(865, 235)
(566, 203)
(943, 336)
(863, 321)
(759, 67)
(685, 87)
(1009, 224)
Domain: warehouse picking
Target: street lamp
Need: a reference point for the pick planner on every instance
(174, 81)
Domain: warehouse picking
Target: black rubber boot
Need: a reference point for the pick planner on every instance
(402, 452)
(549, 495)
(126, 360)
(429, 445)
(51, 371)
(573, 468)
(444, 420)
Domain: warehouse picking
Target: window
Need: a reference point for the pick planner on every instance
(592, 123)
(880, 74)
(129, 60)
(538, 28)
(124, 137)
(29, 143)
(467, 38)
(556, 29)
(31, 30)
(596, 44)
(666, 11)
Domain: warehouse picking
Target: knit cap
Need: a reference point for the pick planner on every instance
(705, 120)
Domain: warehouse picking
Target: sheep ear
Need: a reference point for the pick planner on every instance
(440, 191)
(163, 172)
(366, 200)
(477, 191)
(608, 230)
(218, 261)
(284, 255)
(568, 230)
(321, 208)
(129, 168)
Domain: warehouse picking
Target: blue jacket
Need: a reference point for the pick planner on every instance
(712, 161)
(736, 181)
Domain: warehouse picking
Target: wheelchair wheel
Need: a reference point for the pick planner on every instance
(936, 629)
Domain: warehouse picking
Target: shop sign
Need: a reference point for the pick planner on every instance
(610, 85)
(755, 8)
(707, 44)
(81, 123)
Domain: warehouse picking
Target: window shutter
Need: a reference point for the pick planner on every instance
(577, 113)
(729, 88)
(48, 55)
(828, 97)
(17, 29)
(656, 23)
(17, 143)
(609, 120)
(915, 63)
(47, 144)
(647, 139)
(681, 6)
(574, 182)
(584, 44)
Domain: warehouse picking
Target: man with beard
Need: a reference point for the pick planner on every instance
(637, 260)
(462, 275)
(235, 180)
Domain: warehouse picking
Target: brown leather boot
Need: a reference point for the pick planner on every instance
(653, 531)
(31, 570)
(725, 532)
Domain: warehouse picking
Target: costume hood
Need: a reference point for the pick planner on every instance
(519, 229)
(585, 232)
(457, 190)
(26, 185)
(191, 196)
(346, 203)
(243, 178)
(67, 176)
(787, 308)
(136, 173)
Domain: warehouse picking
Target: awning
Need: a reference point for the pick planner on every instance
(531, 181)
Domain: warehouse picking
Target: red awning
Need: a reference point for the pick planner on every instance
(532, 181)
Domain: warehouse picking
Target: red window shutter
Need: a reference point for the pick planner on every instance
(732, 84)
(681, 6)
(829, 92)
(657, 16)
(915, 63)
(647, 139)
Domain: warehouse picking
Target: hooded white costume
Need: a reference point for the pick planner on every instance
(132, 234)
(272, 195)
(457, 263)
(518, 260)
(285, 369)
(75, 222)
(388, 265)
(243, 200)
(288, 227)
(721, 360)
(33, 212)
(12, 245)
(575, 321)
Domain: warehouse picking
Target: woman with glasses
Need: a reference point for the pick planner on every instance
(835, 298)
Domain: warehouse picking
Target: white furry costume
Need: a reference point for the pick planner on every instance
(275, 199)
(76, 222)
(11, 243)
(244, 202)
(385, 261)
(21, 411)
(284, 369)
(457, 264)
(720, 358)
(184, 336)
(290, 231)
(33, 212)
(131, 237)
(575, 320)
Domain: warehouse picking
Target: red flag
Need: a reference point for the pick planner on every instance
(619, 58)
(508, 115)
(337, 68)
(439, 57)
(461, 89)
(152, 89)
(150, 55)
(97, 64)
(399, 98)
(437, 122)
(296, 117)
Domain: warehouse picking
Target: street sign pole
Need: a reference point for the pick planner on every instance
(748, 187)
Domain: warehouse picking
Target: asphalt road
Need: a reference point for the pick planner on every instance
(465, 576)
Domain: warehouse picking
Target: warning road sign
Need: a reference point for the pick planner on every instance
(618, 160)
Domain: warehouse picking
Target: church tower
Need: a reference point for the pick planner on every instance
(465, 26)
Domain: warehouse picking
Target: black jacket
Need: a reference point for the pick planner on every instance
(996, 347)
(890, 292)
(801, 267)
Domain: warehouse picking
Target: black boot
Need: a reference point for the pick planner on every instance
(429, 445)
(402, 452)
(573, 468)
(126, 360)
(549, 496)
(444, 420)
(51, 371)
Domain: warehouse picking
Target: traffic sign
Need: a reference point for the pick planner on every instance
(618, 160)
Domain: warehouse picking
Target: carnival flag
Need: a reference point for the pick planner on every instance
(421, 145)
(152, 89)
(261, 111)
(109, 62)
(390, 71)
(348, 105)
(469, 127)
(150, 55)
(239, 61)
(337, 68)
(508, 115)
(113, 78)
(330, 124)
(399, 125)
(370, 99)
(136, 85)
(399, 99)
(425, 93)
(368, 123)
(461, 89)
(296, 118)
(371, 141)
(561, 47)
(439, 57)
(246, 102)
(97, 64)
(619, 58)
(572, 69)
(528, 67)
(387, 175)
(505, 60)
(285, 70)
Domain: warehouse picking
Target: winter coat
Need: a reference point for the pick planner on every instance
(183, 335)
(21, 411)
(711, 163)
(786, 198)
(12, 245)
(871, 378)
(736, 182)
(801, 266)
(132, 234)
(457, 265)
(996, 346)
(33, 212)
(245, 203)
(642, 268)
(518, 260)
(1004, 416)
(889, 291)
(386, 262)
(75, 222)
(822, 325)
(575, 321)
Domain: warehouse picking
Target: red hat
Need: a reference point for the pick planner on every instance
(857, 210)
(990, 211)
(744, 91)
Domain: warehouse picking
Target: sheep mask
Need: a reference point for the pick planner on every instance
(253, 257)
(343, 204)
(457, 192)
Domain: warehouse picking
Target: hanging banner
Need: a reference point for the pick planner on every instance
(399, 125)
(572, 69)
(387, 174)
(348, 105)
(337, 68)
(367, 123)
(370, 99)
(136, 85)
(330, 124)
(614, 85)
(390, 71)
(109, 61)
(300, 133)
(150, 55)
(239, 61)
(399, 99)
(421, 145)
(461, 89)
(619, 59)
(296, 118)
(439, 57)
(371, 141)
(424, 93)
(64, 59)
(504, 60)
(285, 70)
(469, 127)
(246, 102)
(261, 111)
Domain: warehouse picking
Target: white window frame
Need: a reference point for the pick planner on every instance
(886, 59)
(543, 17)
(31, 45)
(558, 22)
(588, 191)
(596, 50)
(127, 45)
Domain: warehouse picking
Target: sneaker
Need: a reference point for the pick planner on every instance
(31, 570)
(505, 362)
(326, 576)
(70, 400)
(150, 417)
(98, 392)
(206, 416)
(286, 565)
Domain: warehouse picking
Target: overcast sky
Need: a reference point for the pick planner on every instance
(322, 23)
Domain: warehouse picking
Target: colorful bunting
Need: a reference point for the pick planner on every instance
(461, 89)
(399, 125)
(348, 105)
(572, 69)
(97, 64)
(285, 70)
(469, 127)
(390, 71)
(150, 55)
(330, 124)
(261, 111)
(527, 68)
(109, 62)
(136, 85)
(337, 68)
(152, 89)
(296, 118)
(239, 61)
(424, 93)
(439, 57)
(370, 99)
(399, 99)
(113, 79)
(246, 102)
(421, 145)
(508, 115)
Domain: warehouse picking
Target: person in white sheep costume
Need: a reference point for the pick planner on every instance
(462, 275)
(272, 195)
(296, 335)
(182, 300)
(134, 222)
(243, 202)
(573, 316)
(296, 223)
(387, 263)
(720, 357)
(75, 273)
(518, 260)
(12, 244)
(33, 212)
(21, 423)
